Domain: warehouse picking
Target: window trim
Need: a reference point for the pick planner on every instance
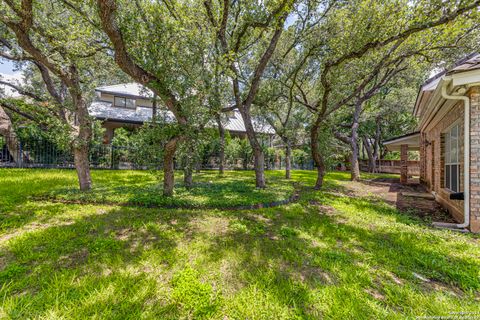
(125, 102)
(447, 161)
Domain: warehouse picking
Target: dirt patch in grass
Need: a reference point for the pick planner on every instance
(311, 275)
(375, 293)
(211, 226)
(390, 190)
(74, 259)
(34, 226)
(435, 285)
(322, 208)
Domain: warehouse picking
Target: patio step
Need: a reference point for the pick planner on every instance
(423, 195)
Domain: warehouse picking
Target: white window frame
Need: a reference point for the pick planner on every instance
(124, 104)
(452, 158)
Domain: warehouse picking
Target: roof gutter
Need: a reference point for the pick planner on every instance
(466, 152)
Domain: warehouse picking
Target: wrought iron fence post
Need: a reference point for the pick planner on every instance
(20, 155)
(112, 166)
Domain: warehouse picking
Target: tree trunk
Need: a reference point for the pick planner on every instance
(259, 157)
(221, 155)
(288, 159)
(154, 108)
(245, 161)
(6, 130)
(316, 154)
(198, 165)
(82, 141)
(376, 148)
(355, 167)
(82, 165)
(259, 163)
(168, 166)
(371, 160)
(363, 150)
(188, 173)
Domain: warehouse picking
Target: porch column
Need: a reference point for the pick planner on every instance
(404, 163)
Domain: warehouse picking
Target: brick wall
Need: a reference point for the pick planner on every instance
(475, 159)
(433, 166)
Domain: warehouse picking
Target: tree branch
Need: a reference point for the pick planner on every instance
(107, 9)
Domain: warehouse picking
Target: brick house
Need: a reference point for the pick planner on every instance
(448, 139)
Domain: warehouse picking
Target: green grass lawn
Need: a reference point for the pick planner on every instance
(144, 189)
(329, 255)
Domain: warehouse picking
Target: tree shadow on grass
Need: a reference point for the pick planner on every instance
(275, 254)
(98, 252)
(206, 194)
(285, 262)
(293, 257)
(405, 246)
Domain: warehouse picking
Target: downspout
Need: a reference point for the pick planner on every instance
(466, 152)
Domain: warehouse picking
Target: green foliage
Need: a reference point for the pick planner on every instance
(300, 156)
(238, 148)
(149, 143)
(123, 137)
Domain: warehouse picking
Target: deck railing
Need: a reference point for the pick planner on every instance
(392, 166)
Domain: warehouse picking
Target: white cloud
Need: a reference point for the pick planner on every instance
(15, 78)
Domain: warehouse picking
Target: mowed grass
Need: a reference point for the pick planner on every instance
(145, 189)
(328, 256)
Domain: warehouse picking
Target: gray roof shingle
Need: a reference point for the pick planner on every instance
(103, 110)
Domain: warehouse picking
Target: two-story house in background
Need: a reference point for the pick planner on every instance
(129, 105)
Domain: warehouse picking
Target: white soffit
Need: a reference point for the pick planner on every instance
(467, 77)
(412, 140)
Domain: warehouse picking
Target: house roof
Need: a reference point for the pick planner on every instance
(462, 66)
(132, 89)
(103, 110)
(471, 62)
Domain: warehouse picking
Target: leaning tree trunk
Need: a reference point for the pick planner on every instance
(82, 141)
(221, 155)
(6, 130)
(168, 166)
(355, 167)
(288, 159)
(316, 154)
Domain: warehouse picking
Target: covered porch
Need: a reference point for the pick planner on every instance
(404, 144)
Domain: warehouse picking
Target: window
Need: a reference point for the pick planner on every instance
(452, 159)
(124, 102)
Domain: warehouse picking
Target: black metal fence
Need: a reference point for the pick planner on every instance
(45, 154)
(41, 153)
